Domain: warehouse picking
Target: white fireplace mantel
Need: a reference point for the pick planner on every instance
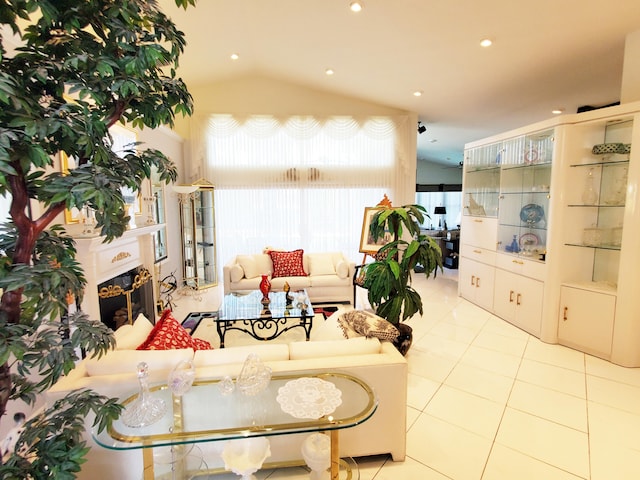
(102, 261)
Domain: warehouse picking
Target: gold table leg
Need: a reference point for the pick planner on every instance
(147, 459)
(335, 455)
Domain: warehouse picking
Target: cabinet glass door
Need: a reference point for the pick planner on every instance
(197, 217)
(596, 206)
(482, 180)
(158, 216)
(525, 183)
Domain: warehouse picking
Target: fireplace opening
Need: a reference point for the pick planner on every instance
(125, 296)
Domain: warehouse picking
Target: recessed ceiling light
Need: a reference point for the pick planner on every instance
(235, 56)
(557, 111)
(418, 93)
(329, 71)
(356, 6)
(486, 42)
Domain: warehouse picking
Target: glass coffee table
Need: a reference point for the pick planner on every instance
(189, 419)
(243, 311)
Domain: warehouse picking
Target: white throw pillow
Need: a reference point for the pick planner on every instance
(135, 335)
(255, 265)
(321, 264)
(236, 273)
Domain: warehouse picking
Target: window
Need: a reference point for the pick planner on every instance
(298, 182)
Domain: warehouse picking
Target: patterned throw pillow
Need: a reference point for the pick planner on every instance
(356, 322)
(287, 264)
(168, 334)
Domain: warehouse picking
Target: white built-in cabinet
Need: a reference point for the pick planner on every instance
(550, 235)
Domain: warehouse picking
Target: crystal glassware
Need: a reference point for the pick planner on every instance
(146, 409)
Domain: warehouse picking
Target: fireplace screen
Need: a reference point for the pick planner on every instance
(125, 296)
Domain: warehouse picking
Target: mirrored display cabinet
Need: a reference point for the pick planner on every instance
(198, 233)
(549, 236)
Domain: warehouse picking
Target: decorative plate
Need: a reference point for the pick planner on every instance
(606, 148)
(309, 397)
(529, 239)
(532, 213)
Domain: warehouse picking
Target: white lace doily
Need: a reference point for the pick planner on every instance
(309, 397)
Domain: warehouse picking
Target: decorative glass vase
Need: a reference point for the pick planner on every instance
(146, 409)
(589, 195)
(265, 288)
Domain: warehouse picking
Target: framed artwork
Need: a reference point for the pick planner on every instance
(67, 163)
(367, 245)
(125, 139)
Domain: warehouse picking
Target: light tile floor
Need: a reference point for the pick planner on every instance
(487, 401)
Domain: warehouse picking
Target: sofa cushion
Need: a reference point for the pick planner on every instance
(223, 356)
(128, 337)
(126, 361)
(287, 264)
(321, 264)
(342, 269)
(255, 265)
(360, 322)
(329, 329)
(168, 334)
(333, 348)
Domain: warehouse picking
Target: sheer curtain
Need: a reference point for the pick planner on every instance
(300, 181)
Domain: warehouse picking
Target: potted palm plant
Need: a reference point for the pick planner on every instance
(388, 278)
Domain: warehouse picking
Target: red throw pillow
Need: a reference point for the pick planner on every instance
(287, 264)
(168, 334)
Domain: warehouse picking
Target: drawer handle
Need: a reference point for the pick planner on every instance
(477, 251)
(511, 292)
(478, 282)
(477, 220)
(519, 262)
(473, 280)
(565, 313)
(518, 297)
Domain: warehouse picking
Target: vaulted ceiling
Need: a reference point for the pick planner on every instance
(546, 54)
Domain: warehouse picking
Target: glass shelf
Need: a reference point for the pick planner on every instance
(599, 247)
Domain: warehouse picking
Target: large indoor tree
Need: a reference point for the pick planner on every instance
(79, 67)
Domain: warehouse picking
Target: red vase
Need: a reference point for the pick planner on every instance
(265, 288)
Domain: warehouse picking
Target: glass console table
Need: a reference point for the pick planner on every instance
(190, 419)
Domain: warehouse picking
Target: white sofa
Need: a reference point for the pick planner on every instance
(329, 276)
(378, 363)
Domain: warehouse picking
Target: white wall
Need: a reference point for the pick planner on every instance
(265, 95)
(630, 91)
(429, 173)
(171, 144)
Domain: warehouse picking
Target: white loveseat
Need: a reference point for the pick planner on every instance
(378, 363)
(329, 276)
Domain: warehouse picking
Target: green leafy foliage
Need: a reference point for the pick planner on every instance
(388, 279)
(80, 68)
(51, 445)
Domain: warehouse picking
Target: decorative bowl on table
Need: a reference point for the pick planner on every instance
(309, 397)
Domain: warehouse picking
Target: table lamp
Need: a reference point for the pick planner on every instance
(441, 211)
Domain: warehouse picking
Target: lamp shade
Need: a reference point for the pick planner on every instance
(440, 211)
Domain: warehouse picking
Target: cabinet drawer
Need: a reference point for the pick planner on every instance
(479, 231)
(521, 266)
(478, 254)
